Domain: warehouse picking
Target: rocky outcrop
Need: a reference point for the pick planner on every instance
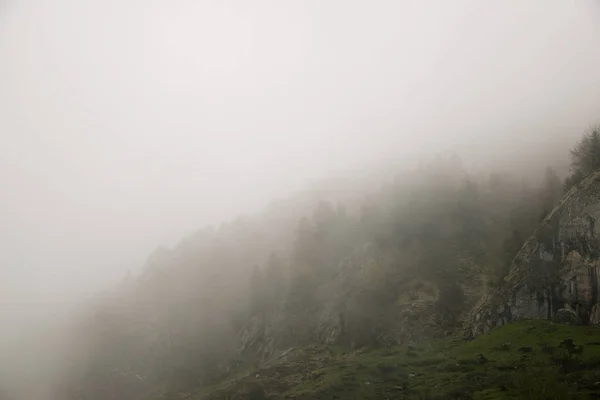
(348, 313)
(555, 274)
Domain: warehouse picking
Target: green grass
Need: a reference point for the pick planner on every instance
(512, 362)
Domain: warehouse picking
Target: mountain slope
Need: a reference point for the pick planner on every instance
(517, 361)
(555, 274)
(402, 265)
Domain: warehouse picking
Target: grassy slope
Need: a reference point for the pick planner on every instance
(512, 362)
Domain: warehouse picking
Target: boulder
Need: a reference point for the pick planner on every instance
(566, 317)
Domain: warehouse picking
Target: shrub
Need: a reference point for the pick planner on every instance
(504, 346)
(538, 382)
(568, 356)
(386, 368)
(526, 349)
(547, 349)
(256, 393)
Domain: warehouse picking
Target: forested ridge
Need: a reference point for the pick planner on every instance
(399, 264)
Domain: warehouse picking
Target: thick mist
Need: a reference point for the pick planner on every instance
(125, 126)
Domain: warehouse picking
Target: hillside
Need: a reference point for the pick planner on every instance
(525, 360)
(405, 265)
(555, 275)
(311, 298)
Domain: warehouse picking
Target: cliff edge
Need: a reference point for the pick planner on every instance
(555, 274)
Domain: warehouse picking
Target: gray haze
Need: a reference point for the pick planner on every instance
(125, 125)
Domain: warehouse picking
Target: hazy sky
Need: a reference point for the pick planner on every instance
(128, 124)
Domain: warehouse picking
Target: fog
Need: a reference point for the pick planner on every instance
(125, 126)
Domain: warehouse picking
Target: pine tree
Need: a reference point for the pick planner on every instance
(585, 157)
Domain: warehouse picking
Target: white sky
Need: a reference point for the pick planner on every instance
(128, 124)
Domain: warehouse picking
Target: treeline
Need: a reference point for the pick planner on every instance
(585, 157)
(431, 240)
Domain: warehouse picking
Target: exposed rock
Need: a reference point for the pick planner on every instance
(566, 317)
(555, 274)
(344, 314)
(259, 336)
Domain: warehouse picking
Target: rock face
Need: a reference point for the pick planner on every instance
(345, 314)
(555, 274)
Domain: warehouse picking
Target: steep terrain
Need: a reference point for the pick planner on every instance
(555, 274)
(312, 285)
(527, 360)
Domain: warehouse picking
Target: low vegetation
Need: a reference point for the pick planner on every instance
(526, 360)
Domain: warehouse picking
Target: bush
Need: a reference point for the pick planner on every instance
(572, 350)
(526, 349)
(386, 368)
(539, 382)
(504, 346)
(547, 349)
(256, 393)
(569, 355)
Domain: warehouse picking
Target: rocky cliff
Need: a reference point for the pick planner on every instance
(555, 274)
(359, 306)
